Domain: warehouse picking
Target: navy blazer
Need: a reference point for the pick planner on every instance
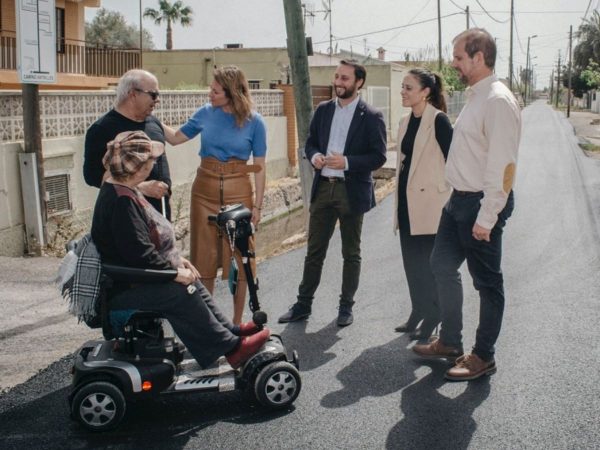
(365, 149)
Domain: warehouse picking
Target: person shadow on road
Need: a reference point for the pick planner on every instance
(431, 419)
(313, 346)
(376, 372)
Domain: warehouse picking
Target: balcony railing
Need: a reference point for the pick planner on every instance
(78, 58)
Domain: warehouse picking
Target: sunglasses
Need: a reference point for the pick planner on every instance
(153, 94)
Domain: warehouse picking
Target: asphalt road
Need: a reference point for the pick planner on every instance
(362, 387)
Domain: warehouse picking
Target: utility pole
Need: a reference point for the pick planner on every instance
(510, 57)
(526, 81)
(330, 33)
(141, 34)
(569, 79)
(558, 81)
(531, 79)
(527, 69)
(439, 36)
(296, 46)
(32, 144)
(551, 86)
(467, 14)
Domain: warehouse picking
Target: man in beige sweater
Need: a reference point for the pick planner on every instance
(481, 168)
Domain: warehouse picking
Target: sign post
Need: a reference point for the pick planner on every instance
(36, 64)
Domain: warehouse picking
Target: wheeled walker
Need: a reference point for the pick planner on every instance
(141, 362)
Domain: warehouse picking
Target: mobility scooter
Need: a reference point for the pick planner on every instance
(138, 361)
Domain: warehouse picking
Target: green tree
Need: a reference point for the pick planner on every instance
(451, 79)
(591, 75)
(109, 29)
(586, 51)
(589, 42)
(579, 84)
(170, 13)
(449, 75)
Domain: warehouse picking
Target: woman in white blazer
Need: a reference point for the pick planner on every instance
(424, 137)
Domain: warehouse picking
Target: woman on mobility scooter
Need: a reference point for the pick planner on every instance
(127, 231)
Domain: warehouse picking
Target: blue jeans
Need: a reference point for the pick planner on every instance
(453, 244)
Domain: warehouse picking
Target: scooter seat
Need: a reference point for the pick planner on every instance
(120, 318)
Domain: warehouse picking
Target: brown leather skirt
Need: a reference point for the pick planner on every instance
(217, 184)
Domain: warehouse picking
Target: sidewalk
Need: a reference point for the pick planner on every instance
(35, 327)
(587, 128)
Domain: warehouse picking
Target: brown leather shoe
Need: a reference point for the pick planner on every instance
(435, 349)
(470, 367)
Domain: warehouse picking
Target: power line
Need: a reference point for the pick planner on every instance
(409, 22)
(490, 16)
(587, 10)
(389, 29)
(459, 7)
(517, 33)
(531, 12)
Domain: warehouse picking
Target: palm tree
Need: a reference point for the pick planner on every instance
(589, 42)
(171, 13)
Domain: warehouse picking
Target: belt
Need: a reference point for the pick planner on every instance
(229, 167)
(464, 193)
(332, 179)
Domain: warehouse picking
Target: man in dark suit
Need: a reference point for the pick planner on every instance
(346, 142)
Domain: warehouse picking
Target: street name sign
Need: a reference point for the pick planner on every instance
(36, 41)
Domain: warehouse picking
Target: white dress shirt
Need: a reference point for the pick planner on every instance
(483, 153)
(340, 125)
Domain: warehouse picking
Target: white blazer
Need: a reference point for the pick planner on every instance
(427, 190)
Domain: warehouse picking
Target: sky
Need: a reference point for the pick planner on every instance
(399, 26)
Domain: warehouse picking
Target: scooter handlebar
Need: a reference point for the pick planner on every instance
(259, 318)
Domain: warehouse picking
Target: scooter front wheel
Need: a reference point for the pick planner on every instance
(98, 406)
(277, 385)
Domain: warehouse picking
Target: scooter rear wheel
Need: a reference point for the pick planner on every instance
(277, 385)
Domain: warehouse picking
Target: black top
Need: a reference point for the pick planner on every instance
(443, 135)
(104, 130)
(122, 232)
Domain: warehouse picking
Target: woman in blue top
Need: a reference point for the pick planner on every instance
(230, 133)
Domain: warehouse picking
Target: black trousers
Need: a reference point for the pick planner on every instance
(416, 251)
(329, 206)
(453, 245)
(196, 319)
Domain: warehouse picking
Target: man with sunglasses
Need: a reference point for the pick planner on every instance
(137, 96)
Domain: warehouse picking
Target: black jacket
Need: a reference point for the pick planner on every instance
(365, 150)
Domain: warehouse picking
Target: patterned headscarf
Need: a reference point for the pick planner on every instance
(129, 151)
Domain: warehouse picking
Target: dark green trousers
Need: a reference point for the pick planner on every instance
(329, 206)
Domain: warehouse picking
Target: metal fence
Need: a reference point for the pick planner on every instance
(455, 103)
